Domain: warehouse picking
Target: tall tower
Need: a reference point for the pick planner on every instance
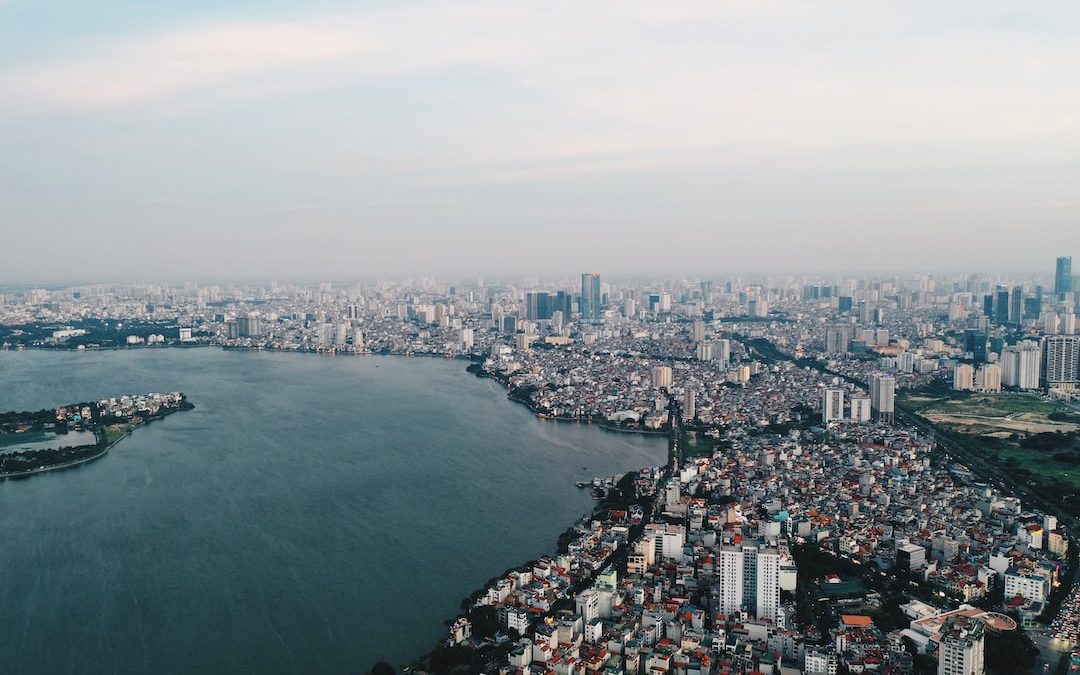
(832, 405)
(883, 396)
(1063, 275)
(1062, 361)
(590, 298)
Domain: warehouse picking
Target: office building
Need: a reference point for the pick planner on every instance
(538, 305)
(590, 298)
(1063, 281)
(1001, 306)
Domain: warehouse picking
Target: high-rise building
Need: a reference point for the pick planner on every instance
(1063, 276)
(963, 377)
(960, 651)
(690, 404)
(832, 405)
(1062, 357)
(723, 351)
(1001, 306)
(590, 298)
(1016, 305)
(838, 337)
(1020, 365)
(538, 305)
(248, 326)
(706, 351)
(661, 377)
(988, 378)
(860, 408)
(749, 579)
(697, 330)
(883, 396)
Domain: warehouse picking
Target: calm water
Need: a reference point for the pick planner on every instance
(311, 515)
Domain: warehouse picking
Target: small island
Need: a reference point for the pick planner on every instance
(47, 440)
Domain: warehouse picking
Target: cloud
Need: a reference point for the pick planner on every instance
(169, 64)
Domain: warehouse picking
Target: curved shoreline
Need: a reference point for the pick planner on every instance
(480, 373)
(66, 465)
(104, 451)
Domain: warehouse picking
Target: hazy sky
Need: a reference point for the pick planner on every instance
(328, 139)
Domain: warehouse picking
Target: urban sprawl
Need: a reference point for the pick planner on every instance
(854, 480)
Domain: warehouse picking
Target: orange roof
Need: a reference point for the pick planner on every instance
(856, 620)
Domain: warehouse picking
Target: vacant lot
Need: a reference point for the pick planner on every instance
(990, 413)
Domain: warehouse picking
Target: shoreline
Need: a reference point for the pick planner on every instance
(104, 451)
(478, 372)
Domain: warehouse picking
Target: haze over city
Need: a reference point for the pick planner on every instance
(262, 140)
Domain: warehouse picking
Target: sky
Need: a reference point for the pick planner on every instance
(240, 139)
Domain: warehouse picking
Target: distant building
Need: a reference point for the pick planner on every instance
(837, 337)
(988, 378)
(248, 326)
(661, 377)
(883, 396)
(963, 377)
(832, 405)
(1063, 282)
(1062, 356)
(590, 298)
(860, 408)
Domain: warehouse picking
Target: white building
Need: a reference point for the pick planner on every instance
(1062, 361)
(961, 649)
(860, 408)
(661, 377)
(963, 377)
(1026, 584)
(832, 405)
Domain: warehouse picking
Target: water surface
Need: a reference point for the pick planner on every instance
(312, 514)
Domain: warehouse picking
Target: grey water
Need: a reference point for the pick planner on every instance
(44, 440)
(312, 514)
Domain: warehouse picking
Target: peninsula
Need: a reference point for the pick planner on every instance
(51, 439)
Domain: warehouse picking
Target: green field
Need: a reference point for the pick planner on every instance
(1042, 465)
(116, 432)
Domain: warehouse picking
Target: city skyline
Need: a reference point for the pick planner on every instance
(253, 139)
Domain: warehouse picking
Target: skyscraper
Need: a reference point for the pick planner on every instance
(1063, 275)
(883, 396)
(590, 298)
(1001, 306)
(538, 305)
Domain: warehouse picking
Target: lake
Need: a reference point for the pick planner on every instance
(312, 514)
